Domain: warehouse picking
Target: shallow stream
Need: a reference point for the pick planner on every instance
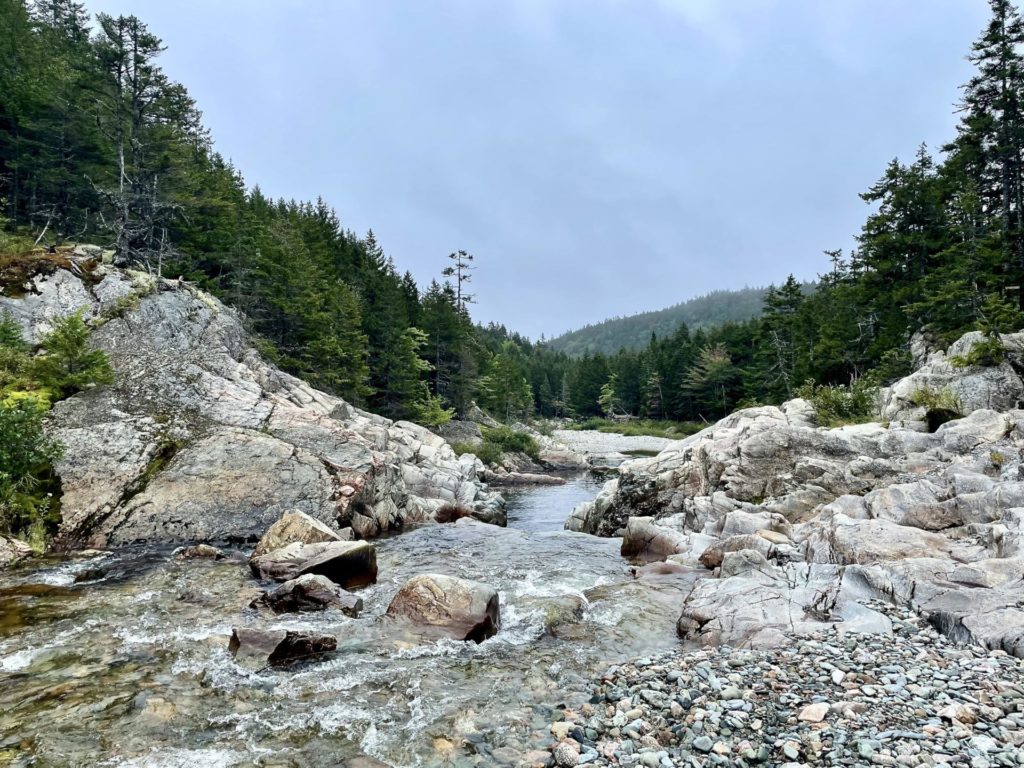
(121, 659)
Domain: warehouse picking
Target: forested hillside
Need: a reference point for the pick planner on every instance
(634, 331)
(98, 145)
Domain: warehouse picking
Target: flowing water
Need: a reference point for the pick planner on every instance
(121, 659)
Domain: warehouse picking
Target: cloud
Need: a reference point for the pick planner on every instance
(726, 23)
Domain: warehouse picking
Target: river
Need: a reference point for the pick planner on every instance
(121, 659)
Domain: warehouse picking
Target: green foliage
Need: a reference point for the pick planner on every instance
(940, 405)
(709, 380)
(987, 352)
(836, 405)
(487, 451)
(512, 441)
(26, 455)
(996, 316)
(937, 400)
(68, 363)
(609, 398)
(505, 391)
(632, 333)
(431, 413)
(86, 149)
(28, 385)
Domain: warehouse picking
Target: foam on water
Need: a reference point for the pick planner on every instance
(18, 661)
(182, 758)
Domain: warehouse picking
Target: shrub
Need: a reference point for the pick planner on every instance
(510, 440)
(489, 453)
(70, 364)
(430, 412)
(26, 457)
(940, 405)
(988, 352)
(895, 364)
(836, 405)
(461, 448)
(28, 386)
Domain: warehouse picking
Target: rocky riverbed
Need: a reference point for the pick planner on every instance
(830, 698)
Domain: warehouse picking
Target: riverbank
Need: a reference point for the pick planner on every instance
(121, 658)
(831, 698)
(610, 448)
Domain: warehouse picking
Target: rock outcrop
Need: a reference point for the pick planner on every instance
(200, 439)
(802, 524)
(448, 606)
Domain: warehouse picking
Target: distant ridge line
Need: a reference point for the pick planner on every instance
(634, 331)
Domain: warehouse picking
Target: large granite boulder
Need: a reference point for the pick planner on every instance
(200, 439)
(997, 387)
(448, 606)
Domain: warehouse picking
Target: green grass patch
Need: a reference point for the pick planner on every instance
(497, 442)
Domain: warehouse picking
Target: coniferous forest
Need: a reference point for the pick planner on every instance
(98, 145)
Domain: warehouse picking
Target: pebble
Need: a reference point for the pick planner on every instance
(912, 699)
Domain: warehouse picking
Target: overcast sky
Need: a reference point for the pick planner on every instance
(599, 157)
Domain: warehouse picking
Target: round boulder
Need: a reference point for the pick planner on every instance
(448, 606)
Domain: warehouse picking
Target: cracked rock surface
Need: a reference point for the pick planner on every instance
(200, 439)
(798, 525)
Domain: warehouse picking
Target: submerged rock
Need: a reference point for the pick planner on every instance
(448, 606)
(310, 592)
(347, 563)
(277, 647)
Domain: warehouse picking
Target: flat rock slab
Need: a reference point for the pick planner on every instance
(277, 647)
(346, 563)
(448, 606)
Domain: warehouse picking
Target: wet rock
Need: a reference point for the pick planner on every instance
(347, 563)
(363, 762)
(646, 539)
(296, 526)
(449, 606)
(199, 552)
(310, 592)
(12, 550)
(262, 647)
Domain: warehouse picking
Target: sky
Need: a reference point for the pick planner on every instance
(598, 157)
